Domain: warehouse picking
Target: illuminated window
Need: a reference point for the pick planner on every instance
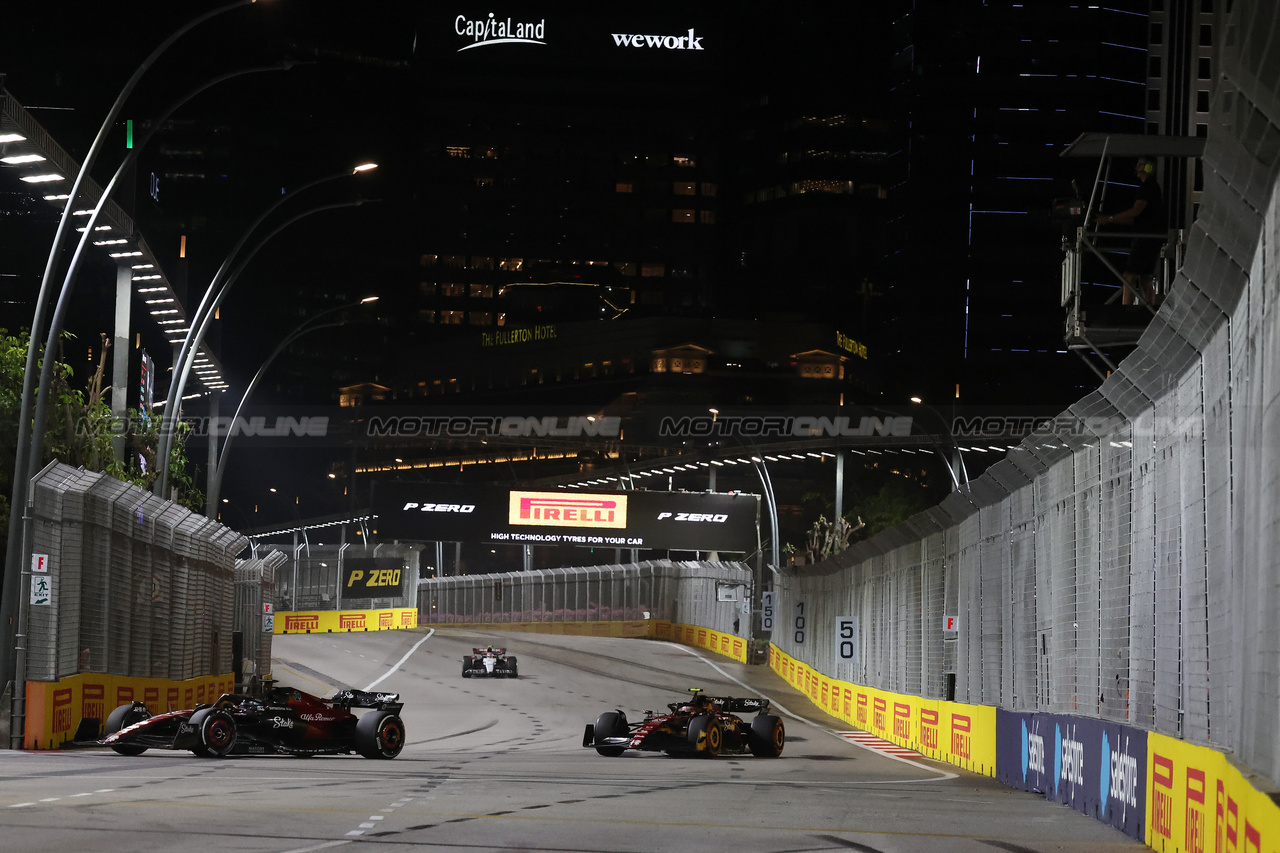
(653, 270)
(624, 267)
(427, 288)
(683, 215)
(483, 182)
(822, 186)
(456, 262)
(624, 188)
(429, 260)
(458, 150)
(502, 318)
(684, 161)
(480, 318)
(684, 188)
(452, 318)
(481, 291)
(511, 264)
(450, 288)
(481, 262)
(426, 316)
(707, 217)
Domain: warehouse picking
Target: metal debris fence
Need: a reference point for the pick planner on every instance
(692, 593)
(140, 586)
(1123, 569)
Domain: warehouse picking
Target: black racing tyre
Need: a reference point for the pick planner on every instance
(380, 734)
(704, 736)
(513, 671)
(122, 718)
(767, 736)
(216, 731)
(467, 662)
(610, 724)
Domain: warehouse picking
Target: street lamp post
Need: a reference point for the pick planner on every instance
(957, 459)
(222, 281)
(12, 586)
(306, 327)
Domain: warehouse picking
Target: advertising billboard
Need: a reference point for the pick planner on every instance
(677, 521)
(372, 577)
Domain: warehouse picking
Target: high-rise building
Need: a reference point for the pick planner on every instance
(992, 92)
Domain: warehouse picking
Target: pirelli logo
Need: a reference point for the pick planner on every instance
(302, 622)
(556, 509)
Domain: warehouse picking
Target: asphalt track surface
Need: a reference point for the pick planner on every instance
(498, 765)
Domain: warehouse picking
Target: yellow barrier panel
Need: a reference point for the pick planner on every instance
(1198, 802)
(55, 708)
(329, 621)
(729, 645)
(959, 734)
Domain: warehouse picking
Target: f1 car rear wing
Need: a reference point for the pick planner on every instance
(488, 651)
(759, 706)
(364, 699)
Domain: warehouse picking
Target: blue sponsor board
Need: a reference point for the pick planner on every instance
(1096, 767)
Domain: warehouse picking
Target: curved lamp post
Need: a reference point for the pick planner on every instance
(955, 449)
(12, 588)
(306, 327)
(217, 291)
(68, 282)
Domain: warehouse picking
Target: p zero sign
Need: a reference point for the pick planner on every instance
(372, 577)
(679, 521)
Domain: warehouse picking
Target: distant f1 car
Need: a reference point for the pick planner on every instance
(703, 725)
(489, 663)
(283, 721)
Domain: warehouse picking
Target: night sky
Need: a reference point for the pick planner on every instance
(361, 93)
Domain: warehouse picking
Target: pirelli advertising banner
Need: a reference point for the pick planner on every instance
(676, 521)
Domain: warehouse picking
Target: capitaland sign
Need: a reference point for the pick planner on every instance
(493, 30)
(556, 509)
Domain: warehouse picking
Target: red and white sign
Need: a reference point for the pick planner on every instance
(950, 623)
(39, 562)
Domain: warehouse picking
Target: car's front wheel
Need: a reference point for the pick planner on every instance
(610, 724)
(122, 718)
(216, 733)
(380, 735)
(704, 736)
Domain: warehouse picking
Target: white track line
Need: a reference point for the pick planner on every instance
(398, 663)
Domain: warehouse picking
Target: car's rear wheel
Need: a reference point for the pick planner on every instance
(610, 724)
(216, 731)
(380, 735)
(467, 663)
(122, 718)
(513, 671)
(767, 736)
(704, 736)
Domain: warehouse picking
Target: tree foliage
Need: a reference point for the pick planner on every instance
(81, 430)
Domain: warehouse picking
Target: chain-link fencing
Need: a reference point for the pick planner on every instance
(709, 595)
(1121, 564)
(134, 585)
